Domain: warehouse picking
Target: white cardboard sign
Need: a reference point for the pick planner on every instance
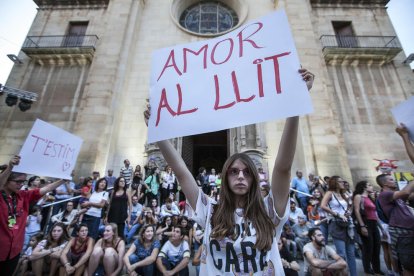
(247, 76)
(49, 151)
(404, 113)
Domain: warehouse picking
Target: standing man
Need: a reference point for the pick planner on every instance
(14, 209)
(95, 176)
(321, 259)
(401, 220)
(299, 183)
(126, 172)
(110, 179)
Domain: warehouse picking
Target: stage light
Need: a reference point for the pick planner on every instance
(14, 94)
(11, 100)
(25, 104)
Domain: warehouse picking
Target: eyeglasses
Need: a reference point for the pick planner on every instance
(19, 181)
(236, 172)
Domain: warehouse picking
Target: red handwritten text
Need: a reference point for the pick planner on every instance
(53, 149)
(243, 37)
(238, 97)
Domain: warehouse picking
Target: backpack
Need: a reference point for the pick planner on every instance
(380, 212)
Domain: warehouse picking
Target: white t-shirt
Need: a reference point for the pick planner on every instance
(33, 225)
(225, 256)
(97, 198)
(326, 253)
(168, 181)
(170, 251)
(174, 211)
(212, 179)
(294, 215)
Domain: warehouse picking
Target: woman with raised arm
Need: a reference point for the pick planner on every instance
(241, 230)
(14, 209)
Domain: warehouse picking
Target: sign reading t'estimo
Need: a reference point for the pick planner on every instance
(247, 76)
(49, 151)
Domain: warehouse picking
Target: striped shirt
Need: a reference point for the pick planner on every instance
(127, 174)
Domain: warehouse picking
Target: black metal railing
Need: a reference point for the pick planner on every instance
(335, 41)
(42, 3)
(350, 2)
(62, 41)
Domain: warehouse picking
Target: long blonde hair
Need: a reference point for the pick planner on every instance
(222, 220)
(114, 228)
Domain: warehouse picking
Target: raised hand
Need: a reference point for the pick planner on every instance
(308, 77)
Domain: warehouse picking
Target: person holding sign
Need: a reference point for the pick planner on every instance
(14, 209)
(402, 130)
(242, 229)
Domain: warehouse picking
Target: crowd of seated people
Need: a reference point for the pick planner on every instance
(140, 228)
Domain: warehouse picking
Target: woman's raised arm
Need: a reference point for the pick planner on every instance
(174, 159)
(284, 159)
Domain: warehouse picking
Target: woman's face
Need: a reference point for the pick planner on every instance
(279, 244)
(340, 182)
(90, 183)
(239, 177)
(57, 232)
(108, 233)
(102, 184)
(184, 223)
(138, 168)
(316, 194)
(369, 188)
(36, 182)
(122, 183)
(148, 213)
(32, 242)
(148, 233)
(154, 202)
(69, 206)
(83, 232)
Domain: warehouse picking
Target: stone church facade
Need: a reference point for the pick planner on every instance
(89, 61)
